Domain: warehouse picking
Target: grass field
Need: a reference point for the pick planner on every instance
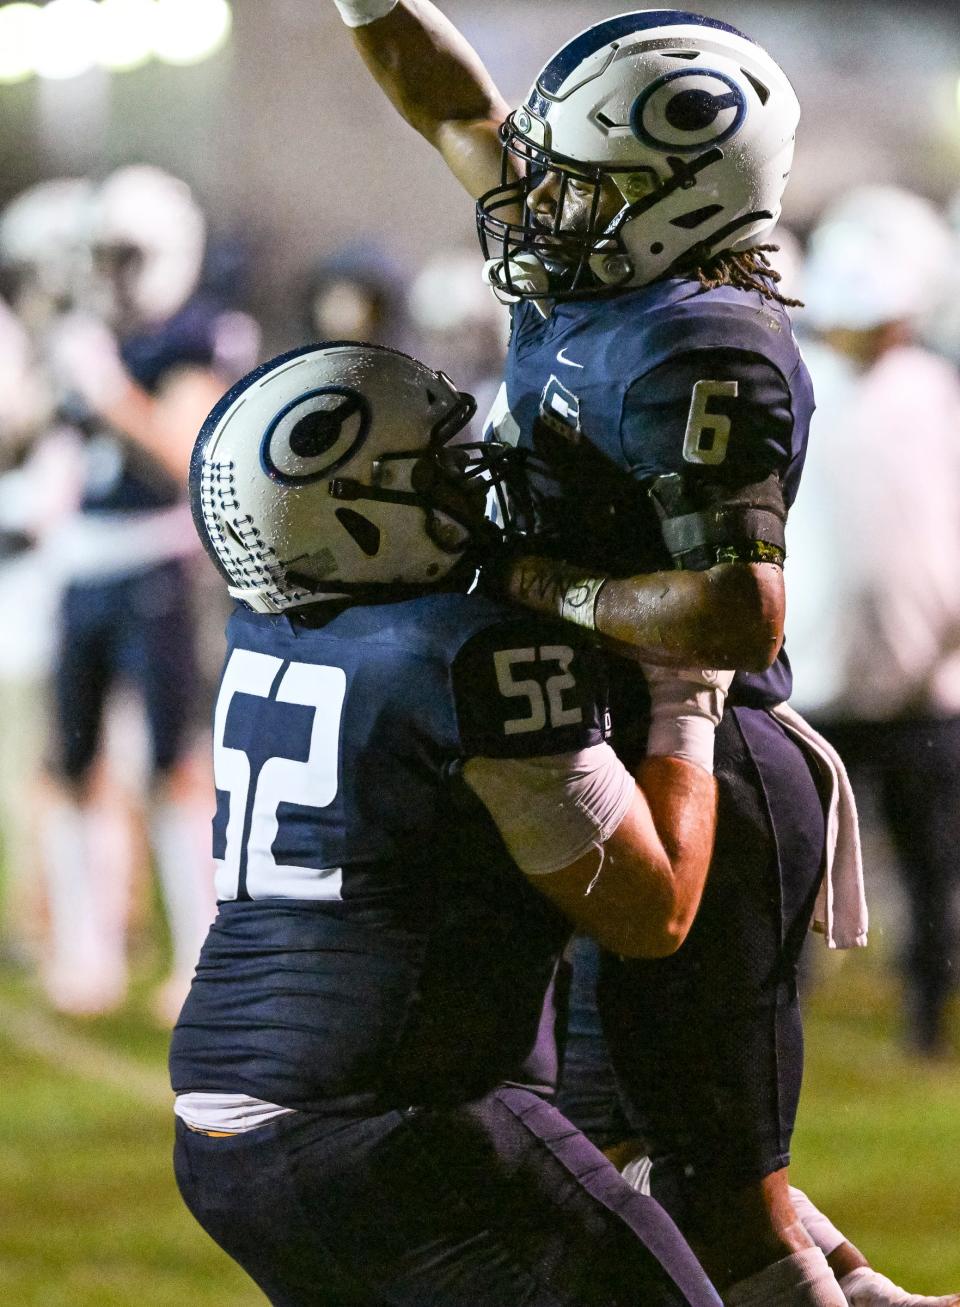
(89, 1216)
(878, 1142)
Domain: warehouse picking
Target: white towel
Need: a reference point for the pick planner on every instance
(840, 912)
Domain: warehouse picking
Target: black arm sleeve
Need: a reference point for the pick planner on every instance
(708, 433)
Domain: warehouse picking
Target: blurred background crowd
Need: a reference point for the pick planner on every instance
(188, 187)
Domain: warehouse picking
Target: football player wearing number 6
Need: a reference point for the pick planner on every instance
(416, 802)
(657, 395)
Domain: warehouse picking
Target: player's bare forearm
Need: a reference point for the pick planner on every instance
(729, 616)
(682, 799)
(436, 80)
(641, 899)
(165, 425)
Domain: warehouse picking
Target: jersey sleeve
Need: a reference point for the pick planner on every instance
(551, 811)
(529, 688)
(719, 415)
(709, 434)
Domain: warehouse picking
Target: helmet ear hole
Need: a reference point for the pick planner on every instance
(696, 219)
(761, 90)
(364, 532)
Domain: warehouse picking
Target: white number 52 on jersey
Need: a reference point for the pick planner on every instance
(248, 867)
(544, 701)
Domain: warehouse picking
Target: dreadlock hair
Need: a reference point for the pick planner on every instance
(749, 269)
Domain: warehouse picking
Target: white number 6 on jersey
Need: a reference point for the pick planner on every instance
(707, 434)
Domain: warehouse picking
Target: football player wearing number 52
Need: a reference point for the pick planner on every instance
(416, 802)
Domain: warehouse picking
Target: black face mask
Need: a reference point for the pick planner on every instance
(511, 235)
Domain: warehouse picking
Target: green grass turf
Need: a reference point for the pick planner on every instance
(89, 1216)
(89, 1213)
(878, 1139)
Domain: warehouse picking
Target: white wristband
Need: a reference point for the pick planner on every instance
(690, 738)
(357, 13)
(579, 602)
(686, 706)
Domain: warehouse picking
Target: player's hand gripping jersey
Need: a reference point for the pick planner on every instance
(700, 396)
(375, 945)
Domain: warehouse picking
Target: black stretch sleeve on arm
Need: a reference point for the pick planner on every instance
(708, 433)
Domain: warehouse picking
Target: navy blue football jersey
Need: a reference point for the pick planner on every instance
(607, 395)
(121, 478)
(375, 946)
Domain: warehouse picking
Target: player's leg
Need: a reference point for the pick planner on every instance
(589, 1097)
(160, 655)
(708, 1044)
(242, 1190)
(921, 800)
(490, 1204)
(563, 1208)
(862, 1285)
(588, 1094)
(82, 847)
(23, 711)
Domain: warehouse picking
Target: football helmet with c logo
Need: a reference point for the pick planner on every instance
(333, 471)
(679, 130)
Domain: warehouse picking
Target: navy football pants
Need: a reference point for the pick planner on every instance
(137, 629)
(708, 1043)
(494, 1203)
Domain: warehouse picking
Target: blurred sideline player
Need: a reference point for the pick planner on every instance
(939, 328)
(363, 1063)
(876, 648)
(38, 482)
(460, 327)
(354, 294)
(138, 367)
(622, 209)
(40, 472)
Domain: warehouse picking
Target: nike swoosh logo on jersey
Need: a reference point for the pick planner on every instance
(569, 362)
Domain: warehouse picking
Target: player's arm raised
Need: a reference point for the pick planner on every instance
(436, 80)
(624, 857)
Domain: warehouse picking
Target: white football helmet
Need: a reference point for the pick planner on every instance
(154, 216)
(43, 234)
(330, 472)
(689, 120)
(878, 254)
